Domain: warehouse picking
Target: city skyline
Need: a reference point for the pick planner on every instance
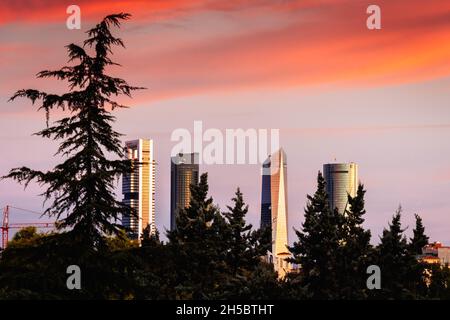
(145, 150)
(332, 87)
(254, 219)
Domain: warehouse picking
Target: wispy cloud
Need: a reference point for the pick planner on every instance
(367, 129)
(220, 45)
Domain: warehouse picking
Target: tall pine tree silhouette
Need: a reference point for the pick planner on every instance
(239, 236)
(82, 187)
(245, 247)
(418, 268)
(356, 250)
(398, 266)
(419, 239)
(318, 245)
(198, 246)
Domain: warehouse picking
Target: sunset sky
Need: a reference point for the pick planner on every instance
(336, 90)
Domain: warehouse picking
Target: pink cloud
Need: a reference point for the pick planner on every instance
(284, 44)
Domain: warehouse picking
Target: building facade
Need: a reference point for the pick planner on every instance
(275, 168)
(436, 253)
(266, 211)
(184, 171)
(138, 188)
(341, 180)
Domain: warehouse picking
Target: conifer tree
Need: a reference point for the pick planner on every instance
(148, 238)
(396, 263)
(245, 250)
(317, 248)
(355, 249)
(239, 235)
(419, 239)
(82, 186)
(245, 247)
(419, 269)
(198, 246)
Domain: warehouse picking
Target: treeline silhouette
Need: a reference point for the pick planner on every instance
(211, 254)
(217, 255)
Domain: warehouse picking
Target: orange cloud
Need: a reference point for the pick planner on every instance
(238, 45)
(43, 11)
(332, 46)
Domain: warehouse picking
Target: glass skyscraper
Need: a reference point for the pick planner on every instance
(274, 179)
(266, 213)
(341, 179)
(138, 188)
(184, 171)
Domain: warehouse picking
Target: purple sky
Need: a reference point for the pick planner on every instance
(334, 91)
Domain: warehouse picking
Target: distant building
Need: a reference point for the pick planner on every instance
(435, 253)
(138, 188)
(341, 180)
(184, 171)
(275, 167)
(266, 212)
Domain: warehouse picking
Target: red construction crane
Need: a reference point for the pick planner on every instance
(6, 225)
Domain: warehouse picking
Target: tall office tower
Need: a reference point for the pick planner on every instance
(138, 187)
(341, 179)
(184, 171)
(278, 208)
(266, 213)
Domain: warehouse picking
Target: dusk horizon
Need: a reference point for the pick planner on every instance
(327, 102)
(246, 156)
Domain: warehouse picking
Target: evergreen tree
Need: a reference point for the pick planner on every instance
(150, 239)
(82, 187)
(198, 246)
(419, 239)
(396, 263)
(318, 245)
(418, 268)
(244, 254)
(245, 247)
(355, 249)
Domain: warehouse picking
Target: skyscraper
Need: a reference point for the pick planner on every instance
(341, 179)
(277, 184)
(138, 187)
(184, 171)
(266, 213)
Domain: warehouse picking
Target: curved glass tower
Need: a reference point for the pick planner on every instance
(341, 179)
(184, 171)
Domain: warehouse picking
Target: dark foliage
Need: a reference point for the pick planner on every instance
(82, 187)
